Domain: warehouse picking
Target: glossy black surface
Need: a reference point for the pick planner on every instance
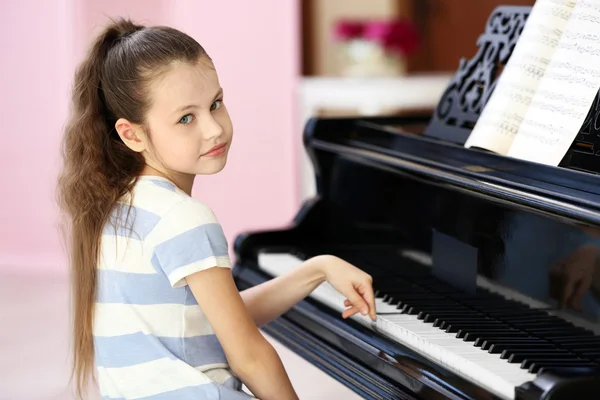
(384, 195)
(523, 220)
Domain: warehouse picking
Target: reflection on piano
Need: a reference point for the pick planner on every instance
(486, 268)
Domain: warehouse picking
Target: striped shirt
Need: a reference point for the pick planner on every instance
(152, 340)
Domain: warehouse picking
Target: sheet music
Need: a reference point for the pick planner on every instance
(502, 116)
(566, 92)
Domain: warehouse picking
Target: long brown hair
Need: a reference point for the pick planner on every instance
(112, 82)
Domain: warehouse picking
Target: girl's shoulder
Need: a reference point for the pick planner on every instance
(186, 237)
(173, 211)
(162, 198)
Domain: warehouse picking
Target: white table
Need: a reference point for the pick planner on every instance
(365, 96)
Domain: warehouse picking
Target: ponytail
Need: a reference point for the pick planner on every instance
(97, 172)
(98, 169)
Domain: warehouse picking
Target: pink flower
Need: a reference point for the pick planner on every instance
(399, 36)
(348, 29)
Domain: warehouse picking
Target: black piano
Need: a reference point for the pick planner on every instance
(486, 268)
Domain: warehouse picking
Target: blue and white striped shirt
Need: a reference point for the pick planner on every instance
(152, 340)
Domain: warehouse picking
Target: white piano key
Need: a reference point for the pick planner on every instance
(463, 358)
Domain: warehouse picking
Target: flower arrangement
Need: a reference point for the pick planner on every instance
(376, 47)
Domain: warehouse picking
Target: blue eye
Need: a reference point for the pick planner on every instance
(216, 105)
(186, 119)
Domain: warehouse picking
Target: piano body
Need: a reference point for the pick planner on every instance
(470, 252)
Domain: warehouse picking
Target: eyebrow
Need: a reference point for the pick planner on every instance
(190, 106)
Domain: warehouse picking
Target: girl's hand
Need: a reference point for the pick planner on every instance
(353, 283)
(574, 275)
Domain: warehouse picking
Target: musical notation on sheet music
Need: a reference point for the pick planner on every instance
(565, 92)
(502, 116)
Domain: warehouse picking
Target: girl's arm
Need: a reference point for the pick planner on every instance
(250, 355)
(269, 300)
(189, 247)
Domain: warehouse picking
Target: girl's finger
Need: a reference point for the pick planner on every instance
(366, 291)
(357, 301)
(350, 312)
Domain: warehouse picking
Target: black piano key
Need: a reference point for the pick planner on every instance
(470, 323)
(409, 310)
(438, 310)
(473, 328)
(502, 341)
(471, 337)
(534, 366)
(581, 347)
(545, 332)
(569, 337)
(453, 311)
(572, 371)
(558, 361)
(537, 323)
(567, 340)
(520, 357)
(385, 297)
(517, 315)
(498, 348)
(454, 326)
(431, 315)
(412, 303)
(594, 356)
(465, 332)
(504, 331)
(417, 298)
(444, 323)
(486, 343)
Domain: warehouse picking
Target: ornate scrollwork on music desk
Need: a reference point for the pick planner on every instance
(461, 104)
(584, 153)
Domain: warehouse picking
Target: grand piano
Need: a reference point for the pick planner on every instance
(485, 267)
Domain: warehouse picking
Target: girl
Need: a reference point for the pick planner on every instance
(156, 312)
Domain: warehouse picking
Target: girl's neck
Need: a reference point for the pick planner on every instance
(184, 182)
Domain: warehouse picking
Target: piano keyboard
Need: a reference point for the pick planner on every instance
(455, 334)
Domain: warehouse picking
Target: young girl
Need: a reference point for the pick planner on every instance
(156, 312)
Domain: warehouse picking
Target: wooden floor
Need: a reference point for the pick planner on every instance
(34, 345)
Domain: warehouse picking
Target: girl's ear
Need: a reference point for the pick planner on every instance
(131, 134)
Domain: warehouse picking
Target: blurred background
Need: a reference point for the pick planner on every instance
(280, 62)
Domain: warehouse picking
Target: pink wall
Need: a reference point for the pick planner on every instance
(35, 43)
(256, 54)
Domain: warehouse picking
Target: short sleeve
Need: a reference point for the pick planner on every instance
(188, 239)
